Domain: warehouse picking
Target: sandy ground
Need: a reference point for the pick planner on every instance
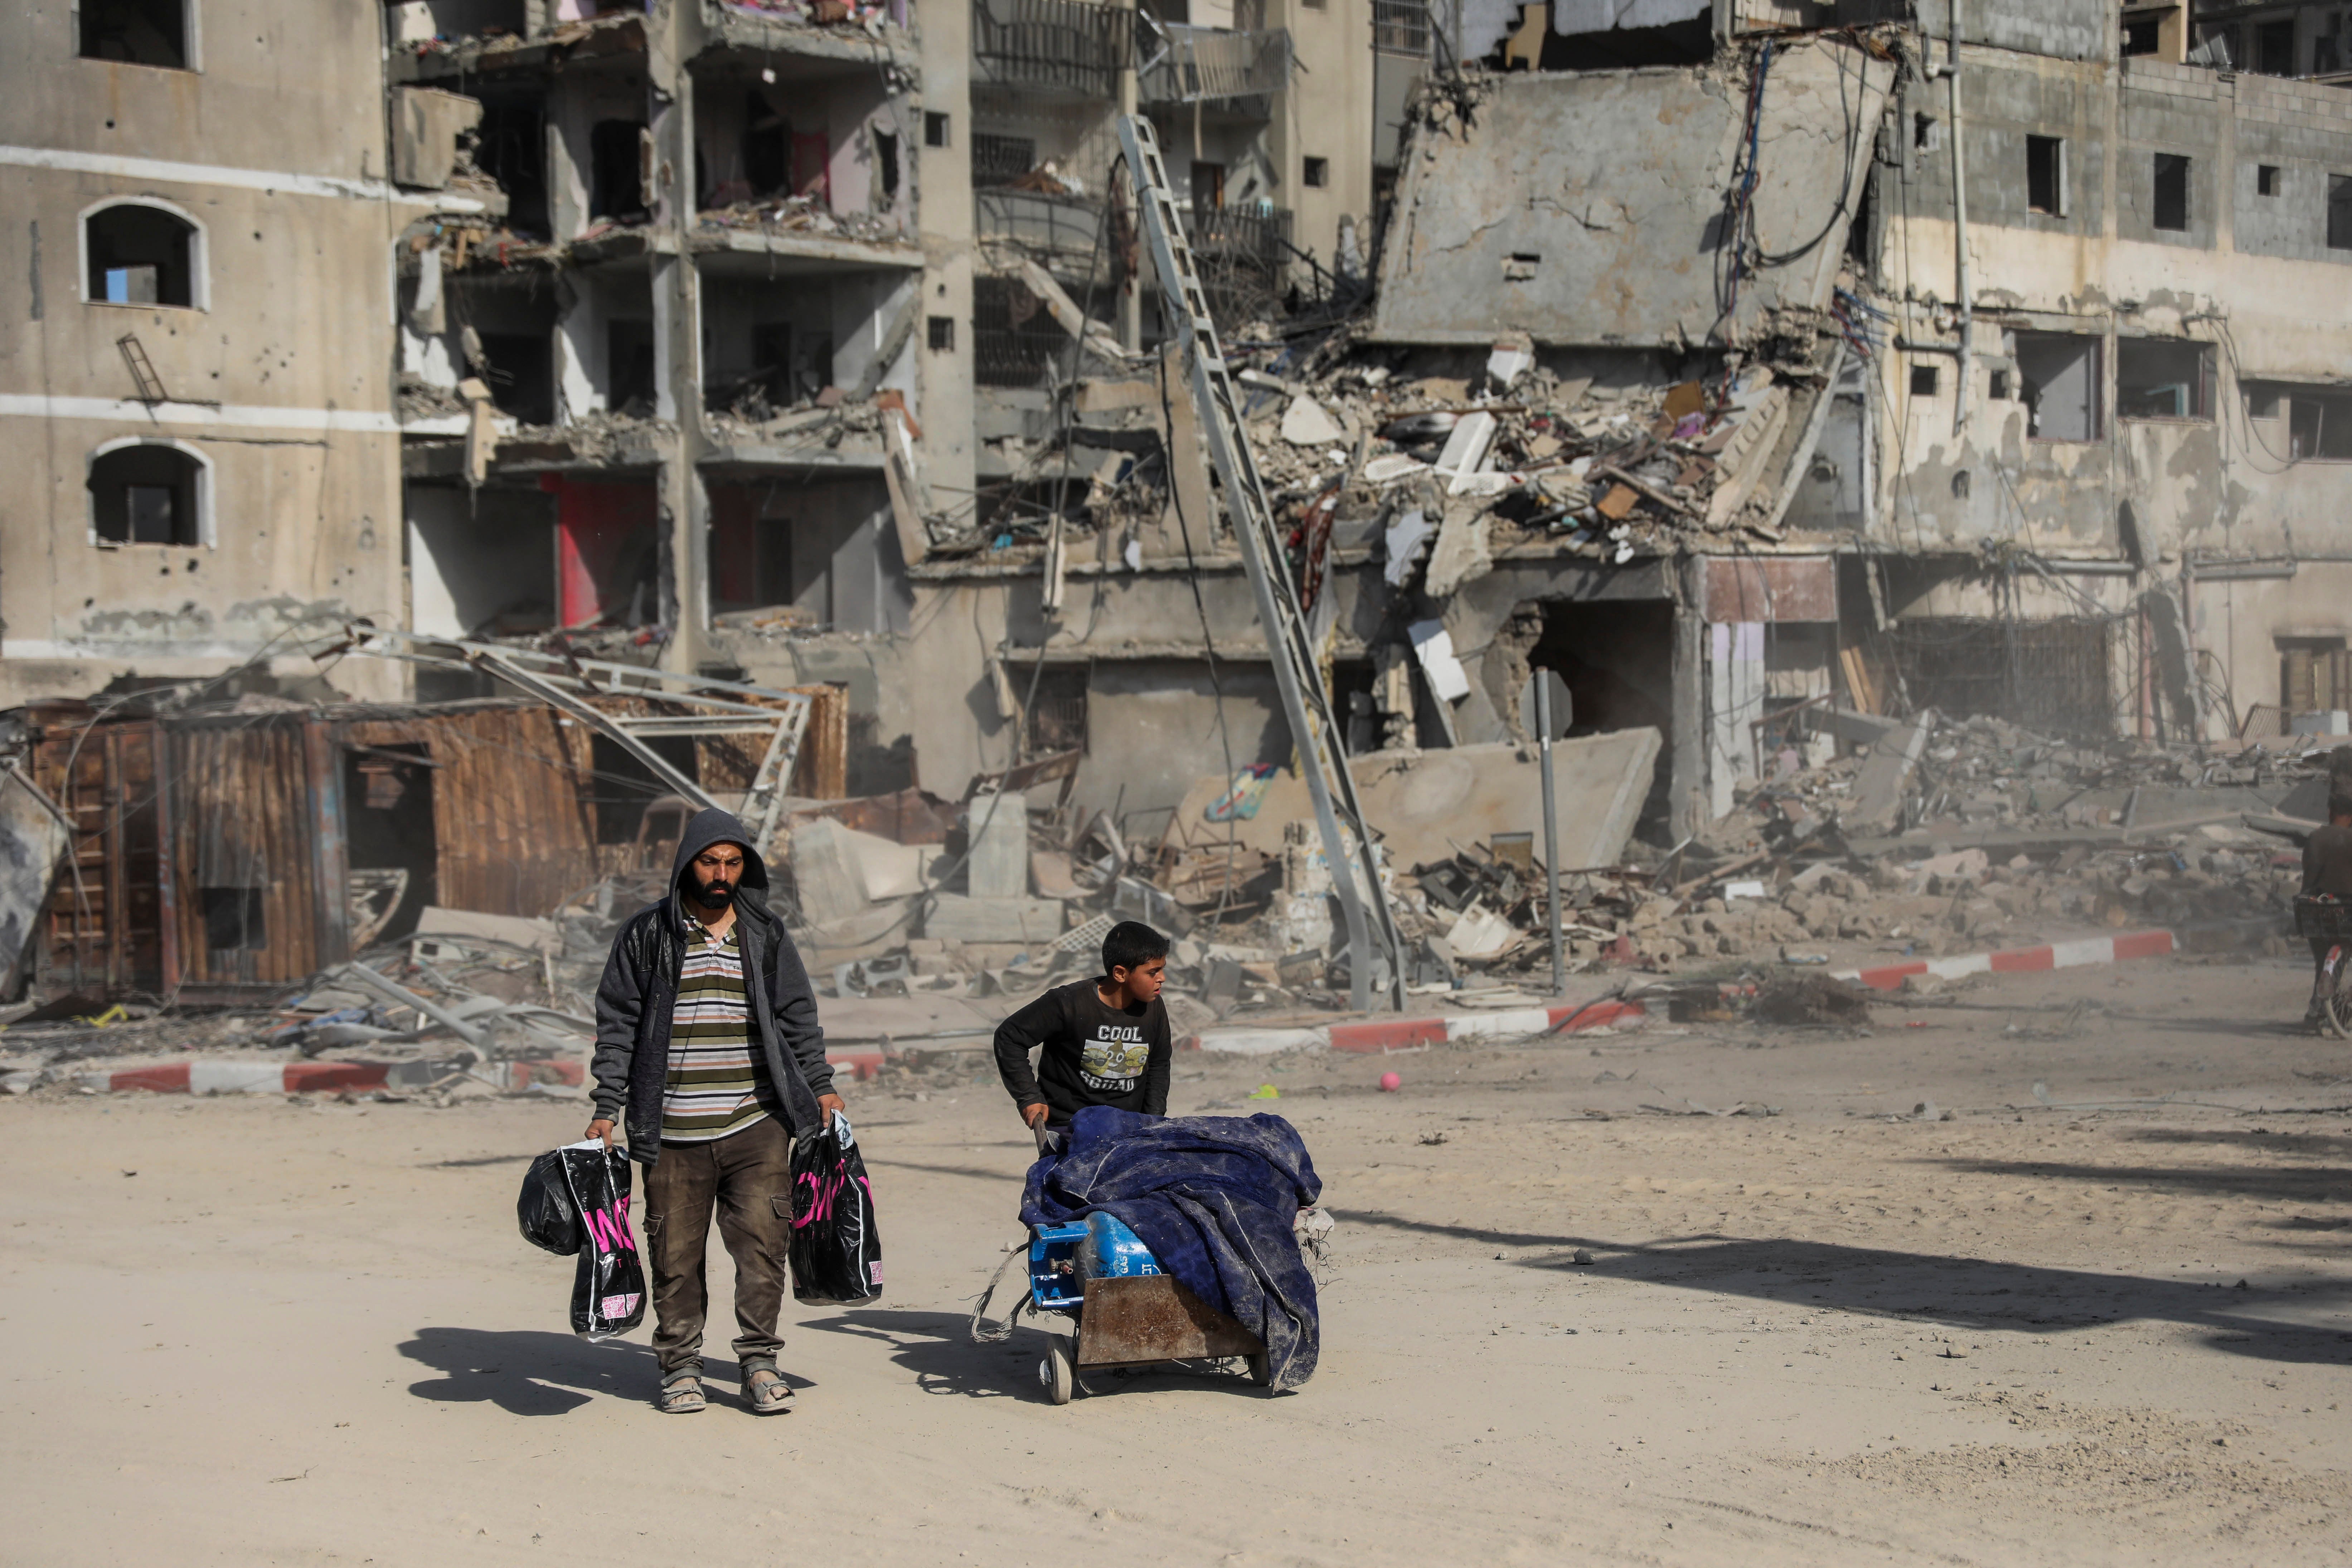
(261, 1330)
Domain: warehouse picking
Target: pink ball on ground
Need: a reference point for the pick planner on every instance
(1391, 1082)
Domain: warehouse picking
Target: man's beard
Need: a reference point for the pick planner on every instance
(715, 895)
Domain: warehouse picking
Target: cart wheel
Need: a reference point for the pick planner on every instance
(1261, 1369)
(2337, 1008)
(1057, 1372)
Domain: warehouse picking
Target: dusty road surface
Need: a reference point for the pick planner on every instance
(256, 1330)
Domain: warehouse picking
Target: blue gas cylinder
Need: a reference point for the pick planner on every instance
(1112, 1251)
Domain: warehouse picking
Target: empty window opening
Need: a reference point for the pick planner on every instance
(767, 146)
(2274, 47)
(147, 493)
(2315, 675)
(233, 919)
(2266, 179)
(886, 164)
(2163, 378)
(2059, 372)
(520, 368)
(1000, 160)
(1317, 172)
(1925, 132)
(2000, 388)
(2318, 421)
(935, 129)
(629, 386)
(510, 146)
(940, 333)
(2045, 175)
(2339, 212)
(137, 32)
(141, 256)
(1057, 718)
(389, 840)
(772, 346)
(1925, 381)
(616, 179)
(2143, 37)
(2171, 191)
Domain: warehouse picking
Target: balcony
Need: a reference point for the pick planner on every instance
(1072, 47)
(1187, 65)
(1062, 225)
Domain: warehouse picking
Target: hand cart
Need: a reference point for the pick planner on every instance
(1099, 1273)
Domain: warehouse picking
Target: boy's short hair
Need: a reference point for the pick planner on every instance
(2338, 806)
(1131, 944)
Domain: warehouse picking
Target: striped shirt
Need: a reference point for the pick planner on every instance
(717, 1082)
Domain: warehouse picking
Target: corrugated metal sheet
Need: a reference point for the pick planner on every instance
(511, 819)
(211, 857)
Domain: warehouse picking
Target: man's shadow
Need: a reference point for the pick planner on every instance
(530, 1372)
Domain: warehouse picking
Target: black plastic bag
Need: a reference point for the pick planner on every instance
(548, 1216)
(608, 1290)
(836, 1251)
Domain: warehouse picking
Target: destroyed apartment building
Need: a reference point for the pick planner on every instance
(1955, 386)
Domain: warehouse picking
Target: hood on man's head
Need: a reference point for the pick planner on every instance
(716, 826)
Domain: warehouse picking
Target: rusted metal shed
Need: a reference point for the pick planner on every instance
(221, 857)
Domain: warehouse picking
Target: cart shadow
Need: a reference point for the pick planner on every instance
(531, 1372)
(937, 1348)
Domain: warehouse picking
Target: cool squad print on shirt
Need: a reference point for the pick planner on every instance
(1114, 1058)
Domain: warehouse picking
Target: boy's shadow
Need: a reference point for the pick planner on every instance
(530, 1372)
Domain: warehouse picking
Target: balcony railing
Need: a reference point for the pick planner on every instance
(1260, 235)
(1034, 221)
(1185, 65)
(1070, 45)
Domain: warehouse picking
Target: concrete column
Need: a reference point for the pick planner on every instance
(673, 36)
(943, 219)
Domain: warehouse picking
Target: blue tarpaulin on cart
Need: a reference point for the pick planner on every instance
(1215, 1197)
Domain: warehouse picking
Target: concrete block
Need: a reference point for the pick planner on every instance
(954, 918)
(1878, 788)
(826, 870)
(1000, 846)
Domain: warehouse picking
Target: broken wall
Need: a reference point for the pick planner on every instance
(1588, 208)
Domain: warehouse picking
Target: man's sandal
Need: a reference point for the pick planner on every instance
(767, 1390)
(679, 1395)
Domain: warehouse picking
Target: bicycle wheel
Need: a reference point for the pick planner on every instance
(2337, 1008)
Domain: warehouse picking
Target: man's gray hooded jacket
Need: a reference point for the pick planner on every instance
(639, 992)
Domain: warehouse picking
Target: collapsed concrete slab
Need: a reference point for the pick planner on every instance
(1589, 208)
(1426, 806)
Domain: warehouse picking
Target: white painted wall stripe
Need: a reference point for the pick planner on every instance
(233, 415)
(272, 179)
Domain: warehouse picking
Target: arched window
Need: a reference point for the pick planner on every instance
(139, 32)
(143, 253)
(148, 492)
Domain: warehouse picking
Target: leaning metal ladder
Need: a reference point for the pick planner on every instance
(1355, 867)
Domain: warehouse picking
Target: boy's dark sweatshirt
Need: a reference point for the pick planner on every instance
(1094, 1055)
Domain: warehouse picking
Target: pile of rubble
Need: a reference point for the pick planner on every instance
(797, 215)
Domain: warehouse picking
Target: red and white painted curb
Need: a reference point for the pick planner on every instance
(1374, 1036)
(2019, 960)
(196, 1075)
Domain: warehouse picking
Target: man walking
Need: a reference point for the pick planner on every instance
(709, 1055)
